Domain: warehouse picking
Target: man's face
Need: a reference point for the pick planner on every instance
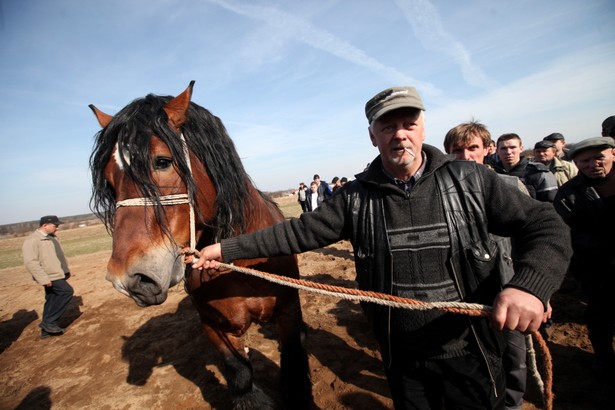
(474, 151)
(559, 145)
(491, 148)
(50, 229)
(509, 152)
(394, 131)
(544, 155)
(595, 163)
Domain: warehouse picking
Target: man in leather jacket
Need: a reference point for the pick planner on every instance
(419, 223)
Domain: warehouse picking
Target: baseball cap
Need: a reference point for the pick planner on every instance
(392, 99)
(597, 142)
(50, 219)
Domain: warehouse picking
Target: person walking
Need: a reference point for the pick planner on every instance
(419, 223)
(302, 197)
(44, 258)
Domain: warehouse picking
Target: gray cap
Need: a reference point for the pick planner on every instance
(544, 144)
(590, 143)
(392, 99)
(554, 137)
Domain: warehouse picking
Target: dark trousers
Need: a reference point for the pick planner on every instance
(600, 314)
(57, 297)
(304, 206)
(515, 368)
(456, 383)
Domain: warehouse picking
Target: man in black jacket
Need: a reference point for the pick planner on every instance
(587, 204)
(419, 223)
(537, 177)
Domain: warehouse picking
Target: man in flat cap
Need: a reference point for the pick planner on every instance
(44, 259)
(560, 144)
(587, 205)
(419, 223)
(545, 152)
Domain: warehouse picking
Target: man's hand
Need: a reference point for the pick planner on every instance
(516, 309)
(208, 257)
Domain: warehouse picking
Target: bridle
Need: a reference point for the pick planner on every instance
(169, 200)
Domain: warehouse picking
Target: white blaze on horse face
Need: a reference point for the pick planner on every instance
(118, 160)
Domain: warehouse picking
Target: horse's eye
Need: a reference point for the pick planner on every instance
(161, 163)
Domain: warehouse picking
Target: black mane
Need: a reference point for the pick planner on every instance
(205, 136)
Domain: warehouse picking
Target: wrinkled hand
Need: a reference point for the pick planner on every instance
(515, 309)
(209, 257)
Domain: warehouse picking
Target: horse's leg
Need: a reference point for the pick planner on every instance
(296, 386)
(238, 371)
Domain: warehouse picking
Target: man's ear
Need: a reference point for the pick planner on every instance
(371, 136)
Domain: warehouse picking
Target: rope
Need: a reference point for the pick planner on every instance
(192, 219)
(470, 309)
(175, 199)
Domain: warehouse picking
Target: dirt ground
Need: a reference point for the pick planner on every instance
(116, 355)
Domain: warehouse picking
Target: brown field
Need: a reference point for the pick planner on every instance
(116, 355)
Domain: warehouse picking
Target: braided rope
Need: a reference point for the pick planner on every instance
(470, 309)
(175, 199)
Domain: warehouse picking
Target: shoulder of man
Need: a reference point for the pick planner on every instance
(533, 167)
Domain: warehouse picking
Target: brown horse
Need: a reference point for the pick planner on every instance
(165, 173)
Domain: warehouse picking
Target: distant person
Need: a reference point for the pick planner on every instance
(312, 199)
(545, 153)
(560, 144)
(323, 189)
(419, 223)
(538, 180)
(587, 205)
(337, 184)
(608, 127)
(469, 141)
(302, 197)
(491, 155)
(44, 259)
(343, 181)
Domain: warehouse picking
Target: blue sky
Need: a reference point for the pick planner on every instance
(288, 78)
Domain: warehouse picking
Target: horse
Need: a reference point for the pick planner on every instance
(166, 177)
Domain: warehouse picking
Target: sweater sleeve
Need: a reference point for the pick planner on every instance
(310, 231)
(541, 240)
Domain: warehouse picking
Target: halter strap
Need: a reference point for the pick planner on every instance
(169, 200)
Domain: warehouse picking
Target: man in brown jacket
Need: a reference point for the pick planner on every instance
(45, 260)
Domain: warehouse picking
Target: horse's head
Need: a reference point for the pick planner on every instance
(148, 171)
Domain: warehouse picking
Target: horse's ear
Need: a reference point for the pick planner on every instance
(103, 119)
(177, 108)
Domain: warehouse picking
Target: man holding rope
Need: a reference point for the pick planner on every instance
(419, 223)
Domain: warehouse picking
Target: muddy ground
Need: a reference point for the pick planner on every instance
(116, 355)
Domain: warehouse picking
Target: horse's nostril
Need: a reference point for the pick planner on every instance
(146, 284)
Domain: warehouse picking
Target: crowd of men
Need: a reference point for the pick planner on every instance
(426, 226)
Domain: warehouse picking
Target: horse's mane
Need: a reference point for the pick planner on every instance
(205, 136)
